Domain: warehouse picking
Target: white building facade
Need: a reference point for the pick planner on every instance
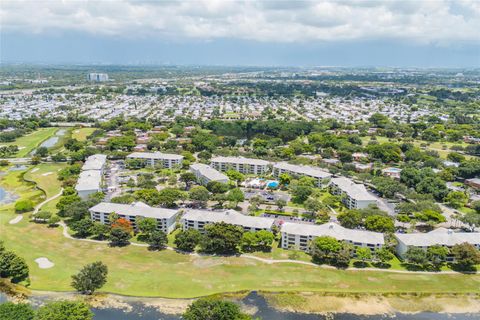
(158, 159)
(438, 237)
(204, 174)
(298, 236)
(166, 218)
(97, 77)
(354, 195)
(198, 219)
(321, 177)
(242, 165)
(91, 177)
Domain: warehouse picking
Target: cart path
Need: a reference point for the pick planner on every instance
(266, 260)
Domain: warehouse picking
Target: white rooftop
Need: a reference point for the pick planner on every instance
(354, 190)
(89, 180)
(230, 217)
(134, 209)
(155, 155)
(95, 162)
(305, 170)
(440, 236)
(240, 160)
(208, 172)
(333, 230)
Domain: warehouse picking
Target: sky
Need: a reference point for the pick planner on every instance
(404, 33)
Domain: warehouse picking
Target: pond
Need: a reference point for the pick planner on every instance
(254, 301)
(50, 142)
(6, 197)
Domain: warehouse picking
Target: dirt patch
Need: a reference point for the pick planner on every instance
(372, 304)
(207, 262)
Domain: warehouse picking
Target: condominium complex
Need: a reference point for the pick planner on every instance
(97, 77)
(321, 177)
(198, 219)
(155, 159)
(438, 237)
(243, 165)
(91, 176)
(205, 174)
(298, 236)
(354, 195)
(166, 218)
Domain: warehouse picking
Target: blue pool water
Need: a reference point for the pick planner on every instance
(273, 184)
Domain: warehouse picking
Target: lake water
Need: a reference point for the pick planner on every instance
(50, 142)
(265, 312)
(6, 197)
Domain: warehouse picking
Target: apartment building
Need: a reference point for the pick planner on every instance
(97, 77)
(91, 176)
(298, 236)
(354, 195)
(438, 237)
(240, 164)
(166, 218)
(153, 159)
(198, 219)
(321, 177)
(205, 174)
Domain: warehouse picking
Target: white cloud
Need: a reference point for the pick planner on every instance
(438, 21)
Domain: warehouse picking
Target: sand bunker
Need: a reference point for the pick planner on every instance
(44, 263)
(34, 170)
(46, 173)
(16, 220)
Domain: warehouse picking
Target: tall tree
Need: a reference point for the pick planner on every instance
(92, 277)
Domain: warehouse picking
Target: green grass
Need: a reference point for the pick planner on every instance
(81, 134)
(45, 178)
(31, 141)
(13, 182)
(140, 272)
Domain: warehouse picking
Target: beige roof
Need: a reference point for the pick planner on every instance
(240, 160)
(230, 217)
(333, 230)
(134, 209)
(440, 236)
(155, 155)
(303, 170)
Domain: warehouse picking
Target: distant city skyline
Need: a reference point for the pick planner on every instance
(350, 33)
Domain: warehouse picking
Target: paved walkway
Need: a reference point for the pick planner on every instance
(40, 205)
(265, 260)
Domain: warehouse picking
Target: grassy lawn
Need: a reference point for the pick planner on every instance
(137, 271)
(31, 141)
(13, 182)
(140, 272)
(81, 134)
(45, 176)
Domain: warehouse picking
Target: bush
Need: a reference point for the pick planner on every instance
(23, 206)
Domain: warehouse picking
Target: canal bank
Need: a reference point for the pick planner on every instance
(271, 305)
